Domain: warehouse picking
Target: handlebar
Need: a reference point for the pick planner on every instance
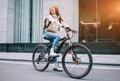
(67, 29)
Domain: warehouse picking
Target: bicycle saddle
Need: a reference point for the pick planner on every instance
(47, 38)
(51, 39)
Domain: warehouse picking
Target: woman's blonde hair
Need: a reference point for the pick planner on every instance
(57, 12)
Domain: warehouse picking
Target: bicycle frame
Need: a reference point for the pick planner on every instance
(59, 46)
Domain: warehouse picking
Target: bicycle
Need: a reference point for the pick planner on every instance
(76, 58)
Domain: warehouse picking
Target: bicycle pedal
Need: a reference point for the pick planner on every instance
(37, 61)
(51, 59)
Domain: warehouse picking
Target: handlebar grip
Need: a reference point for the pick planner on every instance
(67, 29)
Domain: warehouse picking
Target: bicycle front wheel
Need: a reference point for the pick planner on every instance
(40, 58)
(77, 61)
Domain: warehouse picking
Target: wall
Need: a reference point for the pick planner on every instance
(6, 20)
(3, 20)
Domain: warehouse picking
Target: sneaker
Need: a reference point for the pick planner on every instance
(53, 54)
(57, 69)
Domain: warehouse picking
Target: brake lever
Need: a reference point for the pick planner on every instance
(74, 31)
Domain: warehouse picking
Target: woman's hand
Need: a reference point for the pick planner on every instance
(68, 29)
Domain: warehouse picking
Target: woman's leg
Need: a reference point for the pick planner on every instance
(54, 37)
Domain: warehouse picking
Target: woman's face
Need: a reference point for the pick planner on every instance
(52, 10)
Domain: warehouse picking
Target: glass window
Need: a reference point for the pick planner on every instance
(22, 21)
(28, 21)
(99, 21)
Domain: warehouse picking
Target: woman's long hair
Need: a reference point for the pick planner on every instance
(57, 13)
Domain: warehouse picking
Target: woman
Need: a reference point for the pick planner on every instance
(52, 31)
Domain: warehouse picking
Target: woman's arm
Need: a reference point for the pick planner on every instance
(64, 24)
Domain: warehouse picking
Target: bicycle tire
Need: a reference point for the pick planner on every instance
(74, 68)
(40, 58)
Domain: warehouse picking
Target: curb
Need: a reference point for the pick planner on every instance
(98, 59)
(22, 60)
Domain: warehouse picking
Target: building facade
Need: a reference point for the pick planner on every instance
(21, 21)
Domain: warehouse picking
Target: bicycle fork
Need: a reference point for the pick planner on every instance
(72, 52)
(74, 56)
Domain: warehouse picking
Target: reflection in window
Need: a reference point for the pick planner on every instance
(99, 20)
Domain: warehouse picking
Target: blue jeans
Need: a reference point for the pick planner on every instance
(54, 37)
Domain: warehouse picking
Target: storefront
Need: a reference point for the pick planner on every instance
(99, 21)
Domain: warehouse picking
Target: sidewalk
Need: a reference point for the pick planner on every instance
(97, 58)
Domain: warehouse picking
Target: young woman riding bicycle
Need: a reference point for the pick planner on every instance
(51, 32)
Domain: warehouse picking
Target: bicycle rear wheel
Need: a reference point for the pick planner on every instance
(77, 61)
(40, 58)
